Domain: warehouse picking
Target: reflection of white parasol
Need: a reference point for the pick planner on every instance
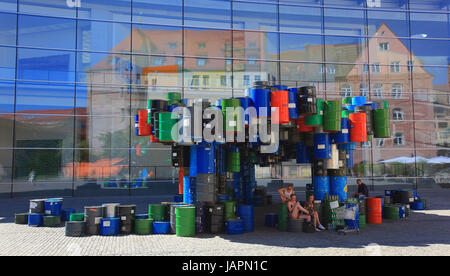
(406, 160)
(439, 160)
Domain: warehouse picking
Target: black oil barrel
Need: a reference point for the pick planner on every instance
(363, 207)
(306, 100)
(337, 173)
(320, 168)
(402, 197)
(21, 219)
(92, 216)
(215, 219)
(75, 228)
(127, 215)
(207, 188)
(37, 206)
(200, 218)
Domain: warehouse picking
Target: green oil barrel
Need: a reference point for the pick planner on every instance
(391, 212)
(314, 120)
(362, 221)
(346, 113)
(185, 221)
(157, 212)
(230, 209)
(166, 124)
(233, 162)
(52, 221)
(173, 98)
(77, 217)
(234, 123)
(143, 226)
(149, 109)
(21, 218)
(283, 217)
(382, 123)
(332, 116)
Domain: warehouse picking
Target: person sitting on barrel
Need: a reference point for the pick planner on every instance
(297, 211)
(286, 193)
(309, 205)
(363, 191)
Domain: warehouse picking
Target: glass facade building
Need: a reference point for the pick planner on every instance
(73, 73)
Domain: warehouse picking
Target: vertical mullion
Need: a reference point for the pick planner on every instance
(232, 48)
(75, 104)
(324, 59)
(13, 157)
(130, 87)
(279, 43)
(183, 63)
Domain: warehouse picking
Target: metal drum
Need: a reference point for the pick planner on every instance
(306, 100)
(342, 137)
(246, 104)
(280, 102)
(127, 215)
(332, 116)
(374, 210)
(109, 226)
(319, 168)
(358, 129)
(359, 101)
(185, 221)
(339, 188)
(353, 223)
(173, 218)
(93, 216)
(75, 228)
(293, 112)
(261, 99)
(206, 188)
(301, 125)
(382, 123)
(234, 160)
(322, 146)
(193, 166)
(53, 207)
(111, 210)
(157, 212)
(35, 220)
(166, 124)
(215, 219)
(246, 212)
(333, 163)
(235, 226)
(37, 206)
(200, 218)
(321, 187)
(21, 219)
(304, 154)
(206, 159)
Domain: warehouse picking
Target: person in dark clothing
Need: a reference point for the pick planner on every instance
(362, 189)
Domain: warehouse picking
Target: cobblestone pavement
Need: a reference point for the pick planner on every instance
(425, 233)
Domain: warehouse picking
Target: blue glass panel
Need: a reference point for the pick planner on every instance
(208, 13)
(104, 36)
(253, 16)
(387, 4)
(6, 97)
(8, 5)
(348, 3)
(345, 22)
(157, 40)
(117, 10)
(8, 23)
(44, 98)
(46, 65)
(298, 47)
(430, 25)
(306, 20)
(7, 63)
(309, 2)
(158, 12)
(396, 22)
(46, 32)
(66, 8)
(432, 5)
(440, 55)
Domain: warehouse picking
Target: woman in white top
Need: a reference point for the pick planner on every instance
(286, 193)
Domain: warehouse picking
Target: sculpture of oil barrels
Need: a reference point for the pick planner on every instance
(332, 116)
(143, 226)
(339, 187)
(293, 112)
(246, 212)
(382, 123)
(157, 212)
(215, 219)
(109, 226)
(110, 210)
(21, 219)
(322, 146)
(51, 221)
(358, 129)
(235, 226)
(374, 211)
(306, 100)
(93, 216)
(167, 123)
(75, 228)
(342, 137)
(261, 98)
(321, 187)
(280, 102)
(185, 221)
(37, 206)
(206, 188)
(127, 215)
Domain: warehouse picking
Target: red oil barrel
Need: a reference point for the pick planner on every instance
(374, 210)
(143, 117)
(153, 139)
(180, 181)
(358, 128)
(301, 125)
(145, 130)
(280, 101)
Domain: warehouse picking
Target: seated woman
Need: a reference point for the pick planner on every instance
(296, 209)
(286, 193)
(309, 205)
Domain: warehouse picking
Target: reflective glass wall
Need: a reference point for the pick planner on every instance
(74, 72)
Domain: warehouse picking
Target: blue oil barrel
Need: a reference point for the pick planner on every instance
(161, 227)
(237, 186)
(224, 198)
(235, 227)
(280, 87)
(342, 137)
(353, 223)
(261, 99)
(373, 105)
(246, 103)
(53, 207)
(322, 146)
(321, 187)
(349, 159)
(35, 220)
(109, 226)
(206, 159)
(222, 160)
(136, 125)
(304, 154)
(339, 187)
(418, 206)
(359, 101)
(293, 112)
(246, 212)
(193, 159)
(65, 214)
(349, 146)
(271, 220)
(187, 196)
